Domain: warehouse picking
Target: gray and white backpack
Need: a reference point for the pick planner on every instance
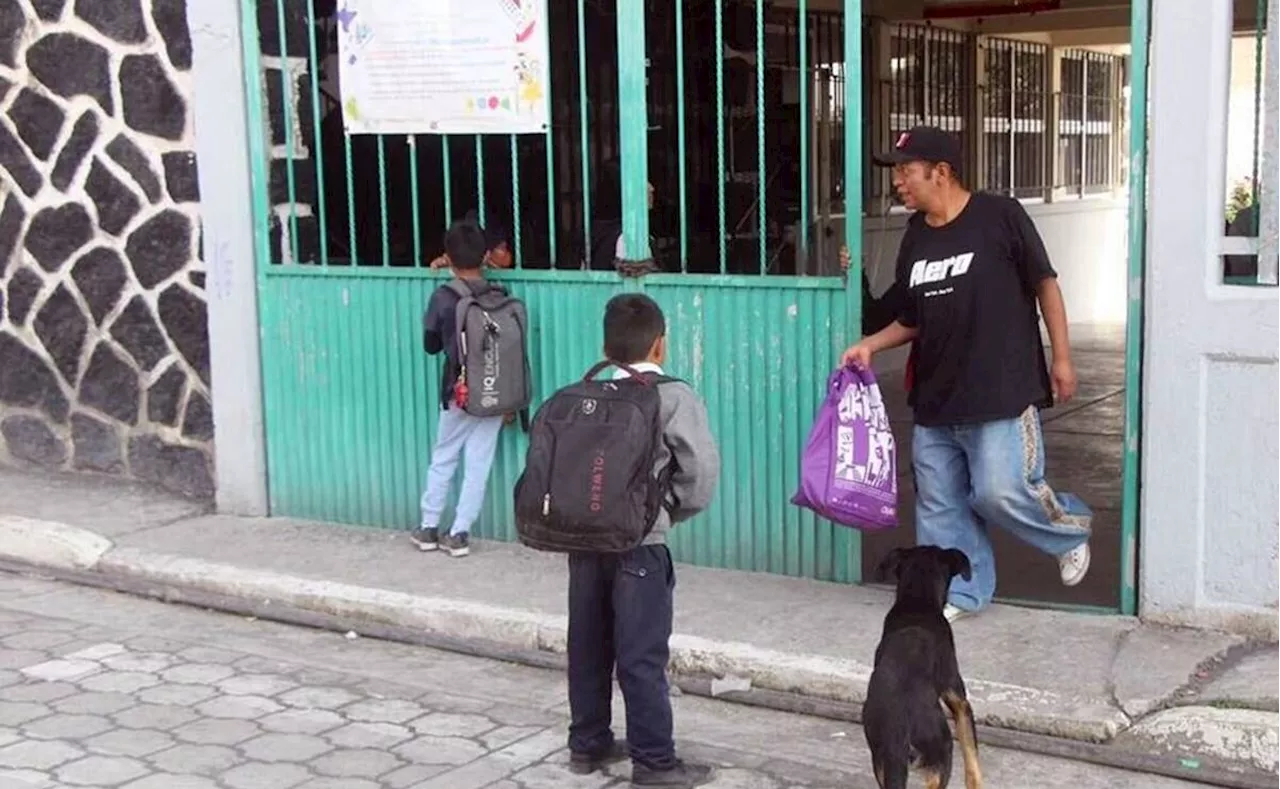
(492, 328)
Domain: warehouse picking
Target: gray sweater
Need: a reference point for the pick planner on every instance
(689, 445)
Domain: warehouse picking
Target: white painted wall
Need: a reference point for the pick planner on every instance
(1210, 535)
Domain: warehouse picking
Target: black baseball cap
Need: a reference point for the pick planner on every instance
(923, 144)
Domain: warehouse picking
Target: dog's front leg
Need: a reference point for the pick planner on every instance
(967, 734)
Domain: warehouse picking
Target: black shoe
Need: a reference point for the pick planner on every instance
(684, 775)
(456, 545)
(587, 763)
(426, 539)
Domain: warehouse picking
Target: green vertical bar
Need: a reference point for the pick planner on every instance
(762, 174)
(805, 83)
(515, 203)
(680, 148)
(720, 174)
(583, 144)
(853, 161)
(382, 200)
(633, 129)
(448, 180)
(480, 179)
(317, 149)
(351, 198)
(412, 141)
(551, 162)
(1139, 40)
(551, 197)
(286, 102)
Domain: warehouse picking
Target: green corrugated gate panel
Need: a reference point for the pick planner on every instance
(351, 399)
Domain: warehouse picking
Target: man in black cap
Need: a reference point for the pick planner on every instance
(973, 269)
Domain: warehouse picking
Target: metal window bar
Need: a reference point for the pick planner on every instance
(1090, 104)
(757, 160)
(717, 145)
(930, 82)
(384, 212)
(1014, 134)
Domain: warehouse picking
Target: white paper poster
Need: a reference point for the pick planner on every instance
(443, 66)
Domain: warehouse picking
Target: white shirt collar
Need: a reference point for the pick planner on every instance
(640, 367)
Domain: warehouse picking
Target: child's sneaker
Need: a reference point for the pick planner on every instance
(456, 545)
(426, 539)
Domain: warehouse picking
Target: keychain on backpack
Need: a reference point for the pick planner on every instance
(460, 390)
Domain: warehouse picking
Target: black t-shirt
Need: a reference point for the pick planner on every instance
(971, 291)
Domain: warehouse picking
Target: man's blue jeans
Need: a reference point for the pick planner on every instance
(971, 477)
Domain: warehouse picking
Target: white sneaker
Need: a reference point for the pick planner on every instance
(952, 613)
(1074, 565)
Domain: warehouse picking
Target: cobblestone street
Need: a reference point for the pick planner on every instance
(102, 689)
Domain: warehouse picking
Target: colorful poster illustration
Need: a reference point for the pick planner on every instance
(443, 66)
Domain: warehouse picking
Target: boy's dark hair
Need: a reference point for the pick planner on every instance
(465, 245)
(632, 322)
(495, 232)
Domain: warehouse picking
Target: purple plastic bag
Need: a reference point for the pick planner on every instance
(849, 471)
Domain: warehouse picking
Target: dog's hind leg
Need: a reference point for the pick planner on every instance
(891, 774)
(967, 734)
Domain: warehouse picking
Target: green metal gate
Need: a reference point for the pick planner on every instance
(349, 397)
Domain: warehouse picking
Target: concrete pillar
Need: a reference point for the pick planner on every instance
(1208, 534)
(222, 146)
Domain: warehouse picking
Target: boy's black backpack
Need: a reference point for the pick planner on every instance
(589, 482)
(492, 328)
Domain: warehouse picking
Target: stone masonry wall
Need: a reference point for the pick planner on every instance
(104, 352)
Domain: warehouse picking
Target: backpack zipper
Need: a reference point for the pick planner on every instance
(546, 494)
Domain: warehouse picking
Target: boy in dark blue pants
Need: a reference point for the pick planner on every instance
(620, 605)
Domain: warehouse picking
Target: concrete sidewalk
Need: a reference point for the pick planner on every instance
(1186, 695)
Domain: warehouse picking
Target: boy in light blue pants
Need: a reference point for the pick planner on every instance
(459, 435)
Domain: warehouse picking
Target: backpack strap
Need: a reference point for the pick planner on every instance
(601, 365)
(644, 378)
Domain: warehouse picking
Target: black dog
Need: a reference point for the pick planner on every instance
(915, 673)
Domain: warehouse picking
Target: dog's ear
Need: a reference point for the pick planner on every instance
(958, 563)
(888, 567)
